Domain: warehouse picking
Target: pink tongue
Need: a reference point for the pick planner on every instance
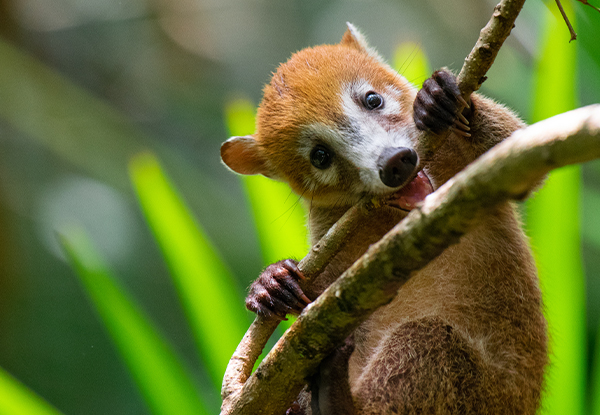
(413, 192)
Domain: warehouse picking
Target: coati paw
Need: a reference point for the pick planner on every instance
(438, 103)
(277, 292)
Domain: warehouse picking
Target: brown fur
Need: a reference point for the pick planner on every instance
(466, 333)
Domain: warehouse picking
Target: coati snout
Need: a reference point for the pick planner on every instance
(396, 165)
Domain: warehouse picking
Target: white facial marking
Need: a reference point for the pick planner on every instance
(371, 136)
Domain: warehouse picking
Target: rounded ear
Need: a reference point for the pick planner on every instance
(354, 39)
(244, 155)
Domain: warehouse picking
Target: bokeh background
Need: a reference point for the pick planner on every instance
(87, 86)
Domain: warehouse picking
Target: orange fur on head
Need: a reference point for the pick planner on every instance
(303, 99)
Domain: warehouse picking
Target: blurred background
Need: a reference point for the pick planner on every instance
(87, 85)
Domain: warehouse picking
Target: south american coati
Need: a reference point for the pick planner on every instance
(466, 334)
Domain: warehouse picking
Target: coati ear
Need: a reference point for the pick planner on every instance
(244, 155)
(353, 38)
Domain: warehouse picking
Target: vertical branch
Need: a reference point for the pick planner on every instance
(480, 60)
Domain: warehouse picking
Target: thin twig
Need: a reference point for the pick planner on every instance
(564, 15)
(508, 171)
(591, 5)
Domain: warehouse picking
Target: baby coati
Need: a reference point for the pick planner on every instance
(466, 334)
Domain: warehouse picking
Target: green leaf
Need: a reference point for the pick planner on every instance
(411, 62)
(213, 307)
(158, 373)
(553, 223)
(17, 399)
(278, 213)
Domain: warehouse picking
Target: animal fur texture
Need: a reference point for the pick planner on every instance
(466, 334)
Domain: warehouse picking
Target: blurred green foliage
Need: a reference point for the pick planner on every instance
(87, 87)
(206, 287)
(17, 399)
(159, 374)
(553, 223)
(278, 213)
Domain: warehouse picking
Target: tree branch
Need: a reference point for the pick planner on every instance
(566, 19)
(256, 337)
(480, 60)
(591, 5)
(508, 171)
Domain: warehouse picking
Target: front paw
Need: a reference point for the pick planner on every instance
(438, 105)
(277, 292)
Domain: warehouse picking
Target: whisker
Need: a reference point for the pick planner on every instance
(293, 207)
(287, 210)
(421, 79)
(410, 58)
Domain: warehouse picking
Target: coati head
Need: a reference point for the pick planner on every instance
(336, 123)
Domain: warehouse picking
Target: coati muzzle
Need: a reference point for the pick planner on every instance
(396, 165)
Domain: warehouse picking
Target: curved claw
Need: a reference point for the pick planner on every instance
(276, 292)
(439, 104)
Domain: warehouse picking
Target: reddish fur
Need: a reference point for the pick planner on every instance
(304, 91)
(466, 333)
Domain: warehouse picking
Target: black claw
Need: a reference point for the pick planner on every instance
(438, 105)
(277, 292)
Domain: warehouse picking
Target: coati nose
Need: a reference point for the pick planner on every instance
(396, 164)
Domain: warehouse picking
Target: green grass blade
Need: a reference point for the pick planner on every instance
(161, 378)
(206, 288)
(17, 399)
(595, 382)
(278, 212)
(553, 223)
(411, 62)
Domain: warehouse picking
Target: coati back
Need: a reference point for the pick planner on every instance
(463, 335)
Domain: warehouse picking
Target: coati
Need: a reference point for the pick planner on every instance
(466, 334)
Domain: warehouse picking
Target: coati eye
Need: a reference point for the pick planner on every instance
(320, 157)
(373, 100)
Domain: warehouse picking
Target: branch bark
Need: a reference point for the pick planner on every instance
(508, 171)
(246, 354)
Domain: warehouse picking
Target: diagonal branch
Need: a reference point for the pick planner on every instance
(591, 5)
(480, 60)
(566, 19)
(508, 171)
(256, 337)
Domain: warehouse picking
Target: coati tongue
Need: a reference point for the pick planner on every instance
(414, 192)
